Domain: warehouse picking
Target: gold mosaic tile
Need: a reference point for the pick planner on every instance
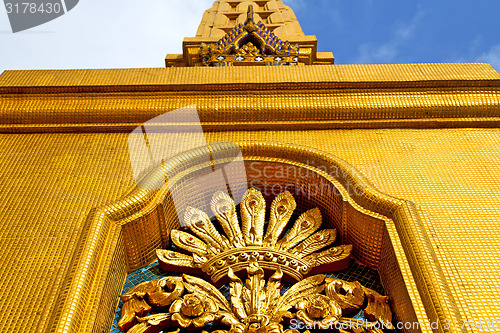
(49, 185)
(449, 173)
(451, 176)
(52, 181)
(447, 74)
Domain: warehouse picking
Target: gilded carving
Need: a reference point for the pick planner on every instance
(303, 251)
(258, 305)
(253, 262)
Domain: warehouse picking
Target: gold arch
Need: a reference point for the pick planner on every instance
(386, 233)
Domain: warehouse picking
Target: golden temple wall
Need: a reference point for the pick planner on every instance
(425, 133)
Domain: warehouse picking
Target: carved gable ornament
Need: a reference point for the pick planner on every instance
(252, 258)
(249, 44)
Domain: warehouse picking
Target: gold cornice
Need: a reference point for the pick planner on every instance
(397, 76)
(473, 106)
(309, 97)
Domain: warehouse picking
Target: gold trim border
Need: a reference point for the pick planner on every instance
(251, 110)
(100, 269)
(424, 123)
(241, 78)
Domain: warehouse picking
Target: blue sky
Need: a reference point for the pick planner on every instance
(404, 31)
(134, 33)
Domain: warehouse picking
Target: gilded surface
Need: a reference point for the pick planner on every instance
(433, 168)
(241, 98)
(258, 306)
(341, 76)
(144, 219)
(226, 15)
(47, 190)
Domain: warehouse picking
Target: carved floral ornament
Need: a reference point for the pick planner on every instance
(258, 303)
(249, 44)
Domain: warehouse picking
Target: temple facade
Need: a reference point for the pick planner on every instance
(400, 162)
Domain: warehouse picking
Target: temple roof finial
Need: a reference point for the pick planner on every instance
(250, 13)
(250, 23)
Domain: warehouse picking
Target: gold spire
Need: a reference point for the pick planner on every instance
(225, 15)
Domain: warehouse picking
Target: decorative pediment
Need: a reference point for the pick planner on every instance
(249, 44)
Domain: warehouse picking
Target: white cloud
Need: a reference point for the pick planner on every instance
(492, 57)
(295, 3)
(104, 34)
(406, 31)
(371, 53)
